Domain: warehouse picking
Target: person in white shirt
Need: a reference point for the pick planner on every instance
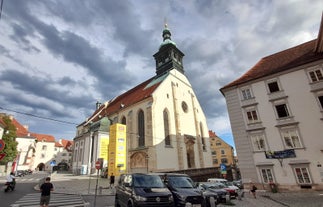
(11, 179)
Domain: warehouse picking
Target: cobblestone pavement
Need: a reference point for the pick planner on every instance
(268, 199)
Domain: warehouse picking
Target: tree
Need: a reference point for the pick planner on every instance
(9, 137)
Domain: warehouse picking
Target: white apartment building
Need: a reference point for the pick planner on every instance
(276, 115)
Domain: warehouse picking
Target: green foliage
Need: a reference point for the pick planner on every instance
(9, 137)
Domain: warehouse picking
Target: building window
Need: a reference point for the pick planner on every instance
(141, 129)
(246, 94)
(218, 143)
(184, 106)
(80, 154)
(202, 137)
(302, 175)
(44, 147)
(258, 142)
(42, 155)
(316, 75)
(213, 152)
(75, 155)
(282, 110)
(252, 116)
(123, 120)
(273, 87)
(215, 161)
(166, 129)
(224, 160)
(222, 152)
(267, 175)
(320, 98)
(291, 138)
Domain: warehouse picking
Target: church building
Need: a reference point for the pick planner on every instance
(166, 126)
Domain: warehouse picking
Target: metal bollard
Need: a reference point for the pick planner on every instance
(212, 202)
(227, 198)
(100, 190)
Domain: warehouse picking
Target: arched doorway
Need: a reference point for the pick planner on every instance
(41, 166)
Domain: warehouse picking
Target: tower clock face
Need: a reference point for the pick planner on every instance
(184, 106)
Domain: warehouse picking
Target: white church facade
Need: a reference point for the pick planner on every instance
(166, 126)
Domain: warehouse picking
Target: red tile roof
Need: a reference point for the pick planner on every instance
(135, 95)
(43, 137)
(212, 134)
(281, 61)
(57, 144)
(21, 130)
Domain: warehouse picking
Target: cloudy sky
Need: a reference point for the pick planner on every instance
(59, 57)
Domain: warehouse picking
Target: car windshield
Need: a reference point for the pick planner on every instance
(147, 181)
(180, 182)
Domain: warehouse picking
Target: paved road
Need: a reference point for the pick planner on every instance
(94, 190)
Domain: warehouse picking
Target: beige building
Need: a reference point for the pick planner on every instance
(166, 126)
(221, 151)
(276, 115)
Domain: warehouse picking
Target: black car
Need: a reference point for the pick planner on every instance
(212, 188)
(183, 190)
(139, 189)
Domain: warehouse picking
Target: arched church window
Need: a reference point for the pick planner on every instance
(202, 137)
(123, 120)
(141, 129)
(166, 128)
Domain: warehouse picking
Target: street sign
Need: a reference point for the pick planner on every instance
(2, 155)
(2, 144)
(53, 163)
(223, 168)
(98, 165)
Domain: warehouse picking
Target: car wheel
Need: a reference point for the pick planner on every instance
(129, 204)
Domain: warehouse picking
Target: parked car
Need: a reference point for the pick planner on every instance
(232, 192)
(227, 183)
(183, 190)
(215, 189)
(139, 189)
(238, 183)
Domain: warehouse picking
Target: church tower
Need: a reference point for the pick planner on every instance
(168, 57)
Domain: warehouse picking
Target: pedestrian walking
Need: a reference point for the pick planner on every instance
(253, 190)
(45, 190)
(112, 180)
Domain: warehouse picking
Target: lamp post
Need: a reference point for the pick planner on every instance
(147, 157)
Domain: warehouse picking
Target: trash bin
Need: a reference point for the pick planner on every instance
(273, 187)
(84, 170)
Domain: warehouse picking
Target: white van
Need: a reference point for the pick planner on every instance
(217, 180)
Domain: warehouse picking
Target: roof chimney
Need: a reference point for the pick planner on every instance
(319, 41)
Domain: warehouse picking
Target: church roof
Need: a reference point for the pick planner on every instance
(135, 95)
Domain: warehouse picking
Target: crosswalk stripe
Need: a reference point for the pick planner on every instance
(57, 199)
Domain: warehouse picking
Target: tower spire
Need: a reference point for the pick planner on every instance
(168, 57)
